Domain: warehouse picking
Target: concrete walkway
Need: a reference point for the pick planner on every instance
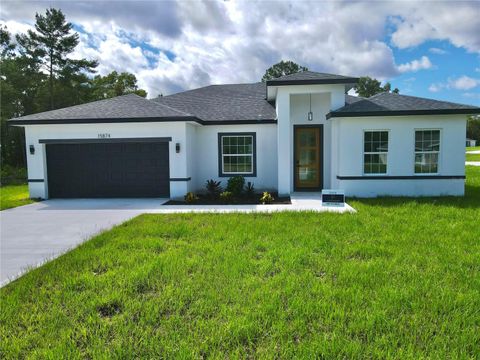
(472, 163)
(473, 152)
(33, 234)
(300, 202)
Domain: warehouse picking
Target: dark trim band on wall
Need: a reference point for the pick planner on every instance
(418, 177)
(181, 179)
(107, 140)
(36, 180)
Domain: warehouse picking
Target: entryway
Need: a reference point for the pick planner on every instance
(308, 157)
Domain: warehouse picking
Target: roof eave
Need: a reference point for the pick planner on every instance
(339, 114)
(15, 122)
(311, 82)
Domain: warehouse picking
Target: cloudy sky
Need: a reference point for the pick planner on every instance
(425, 48)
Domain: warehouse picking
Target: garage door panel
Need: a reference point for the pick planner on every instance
(108, 170)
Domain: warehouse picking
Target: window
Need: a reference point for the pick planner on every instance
(375, 151)
(427, 148)
(237, 154)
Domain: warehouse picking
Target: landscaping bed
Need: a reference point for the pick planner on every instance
(207, 200)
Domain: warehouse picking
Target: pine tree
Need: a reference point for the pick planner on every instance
(50, 44)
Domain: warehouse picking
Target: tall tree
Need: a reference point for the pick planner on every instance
(282, 68)
(51, 43)
(15, 95)
(368, 86)
(473, 127)
(115, 84)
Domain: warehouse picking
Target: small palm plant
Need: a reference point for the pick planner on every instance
(213, 188)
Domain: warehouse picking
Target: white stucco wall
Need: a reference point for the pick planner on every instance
(401, 155)
(206, 155)
(37, 168)
(197, 160)
(343, 148)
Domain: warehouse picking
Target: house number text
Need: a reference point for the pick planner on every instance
(104, 136)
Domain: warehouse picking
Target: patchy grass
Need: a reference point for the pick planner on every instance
(399, 279)
(472, 157)
(14, 195)
(472, 148)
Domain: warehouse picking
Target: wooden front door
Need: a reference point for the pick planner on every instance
(308, 169)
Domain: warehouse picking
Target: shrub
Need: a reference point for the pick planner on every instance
(226, 197)
(191, 198)
(235, 185)
(213, 188)
(250, 189)
(266, 198)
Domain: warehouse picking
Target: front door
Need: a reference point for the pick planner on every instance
(308, 169)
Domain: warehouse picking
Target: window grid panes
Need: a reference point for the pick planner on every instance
(427, 149)
(375, 152)
(237, 154)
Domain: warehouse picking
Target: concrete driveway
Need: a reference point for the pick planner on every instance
(33, 234)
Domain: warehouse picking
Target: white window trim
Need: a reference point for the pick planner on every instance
(439, 152)
(222, 155)
(368, 153)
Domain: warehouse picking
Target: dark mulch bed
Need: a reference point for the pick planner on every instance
(205, 200)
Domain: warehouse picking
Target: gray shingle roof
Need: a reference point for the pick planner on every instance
(215, 103)
(311, 77)
(384, 104)
(349, 99)
(126, 107)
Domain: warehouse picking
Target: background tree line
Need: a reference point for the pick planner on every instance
(37, 74)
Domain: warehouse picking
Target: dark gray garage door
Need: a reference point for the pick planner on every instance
(97, 170)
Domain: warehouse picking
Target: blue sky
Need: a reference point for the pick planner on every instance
(425, 48)
(448, 63)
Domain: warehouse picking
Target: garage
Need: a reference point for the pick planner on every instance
(108, 168)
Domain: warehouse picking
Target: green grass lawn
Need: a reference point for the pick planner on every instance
(472, 157)
(14, 195)
(472, 148)
(398, 279)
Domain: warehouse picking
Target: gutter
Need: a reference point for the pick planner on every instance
(14, 122)
(341, 114)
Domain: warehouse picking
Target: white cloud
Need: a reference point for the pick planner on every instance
(416, 65)
(437, 51)
(457, 22)
(464, 83)
(472, 95)
(227, 42)
(461, 83)
(436, 87)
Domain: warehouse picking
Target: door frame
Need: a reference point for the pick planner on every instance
(320, 157)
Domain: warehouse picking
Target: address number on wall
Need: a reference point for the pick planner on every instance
(103, 136)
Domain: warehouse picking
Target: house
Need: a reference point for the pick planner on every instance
(471, 142)
(300, 132)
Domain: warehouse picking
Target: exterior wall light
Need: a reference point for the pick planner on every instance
(32, 149)
(310, 113)
(177, 148)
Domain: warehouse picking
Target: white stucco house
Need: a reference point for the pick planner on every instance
(300, 132)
